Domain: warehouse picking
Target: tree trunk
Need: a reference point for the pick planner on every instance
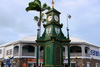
(39, 26)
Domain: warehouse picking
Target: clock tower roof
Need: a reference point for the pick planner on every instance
(53, 10)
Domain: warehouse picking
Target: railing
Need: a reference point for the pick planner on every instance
(75, 54)
(28, 54)
(25, 54)
(41, 54)
(88, 55)
(15, 54)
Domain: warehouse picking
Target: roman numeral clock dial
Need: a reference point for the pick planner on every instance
(56, 18)
(49, 18)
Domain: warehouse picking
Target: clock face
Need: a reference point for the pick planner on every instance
(56, 17)
(49, 18)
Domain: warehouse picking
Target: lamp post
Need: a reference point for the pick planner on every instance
(68, 17)
(37, 55)
(76, 61)
(37, 50)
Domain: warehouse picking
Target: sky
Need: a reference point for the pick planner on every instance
(16, 23)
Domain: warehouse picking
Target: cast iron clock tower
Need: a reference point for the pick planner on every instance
(53, 40)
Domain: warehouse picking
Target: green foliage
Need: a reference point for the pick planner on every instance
(36, 5)
(44, 20)
(45, 7)
(33, 6)
(36, 18)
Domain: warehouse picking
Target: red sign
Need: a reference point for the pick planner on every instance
(34, 60)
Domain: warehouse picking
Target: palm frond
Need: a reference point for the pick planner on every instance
(43, 20)
(33, 6)
(36, 18)
(45, 7)
(48, 8)
(36, 6)
(38, 2)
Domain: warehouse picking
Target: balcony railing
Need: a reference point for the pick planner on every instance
(28, 54)
(88, 55)
(41, 54)
(15, 54)
(25, 54)
(75, 54)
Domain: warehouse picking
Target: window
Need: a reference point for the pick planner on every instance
(75, 49)
(0, 51)
(9, 52)
(87, 50)
(31, 49)
(28, 48)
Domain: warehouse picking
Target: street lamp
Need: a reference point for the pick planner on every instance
(76, 61)
(68, 17)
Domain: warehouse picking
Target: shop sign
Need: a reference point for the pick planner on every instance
(31, 60)
(95, 53)
(34, 60)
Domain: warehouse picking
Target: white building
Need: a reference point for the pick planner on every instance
(83, 54)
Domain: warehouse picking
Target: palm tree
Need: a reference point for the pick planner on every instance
(37, 6)
(36, 18)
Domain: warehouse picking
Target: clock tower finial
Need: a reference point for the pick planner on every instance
(52, 3)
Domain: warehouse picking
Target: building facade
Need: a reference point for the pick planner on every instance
(83, 54)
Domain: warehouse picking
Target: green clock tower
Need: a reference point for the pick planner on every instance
(53, 40)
